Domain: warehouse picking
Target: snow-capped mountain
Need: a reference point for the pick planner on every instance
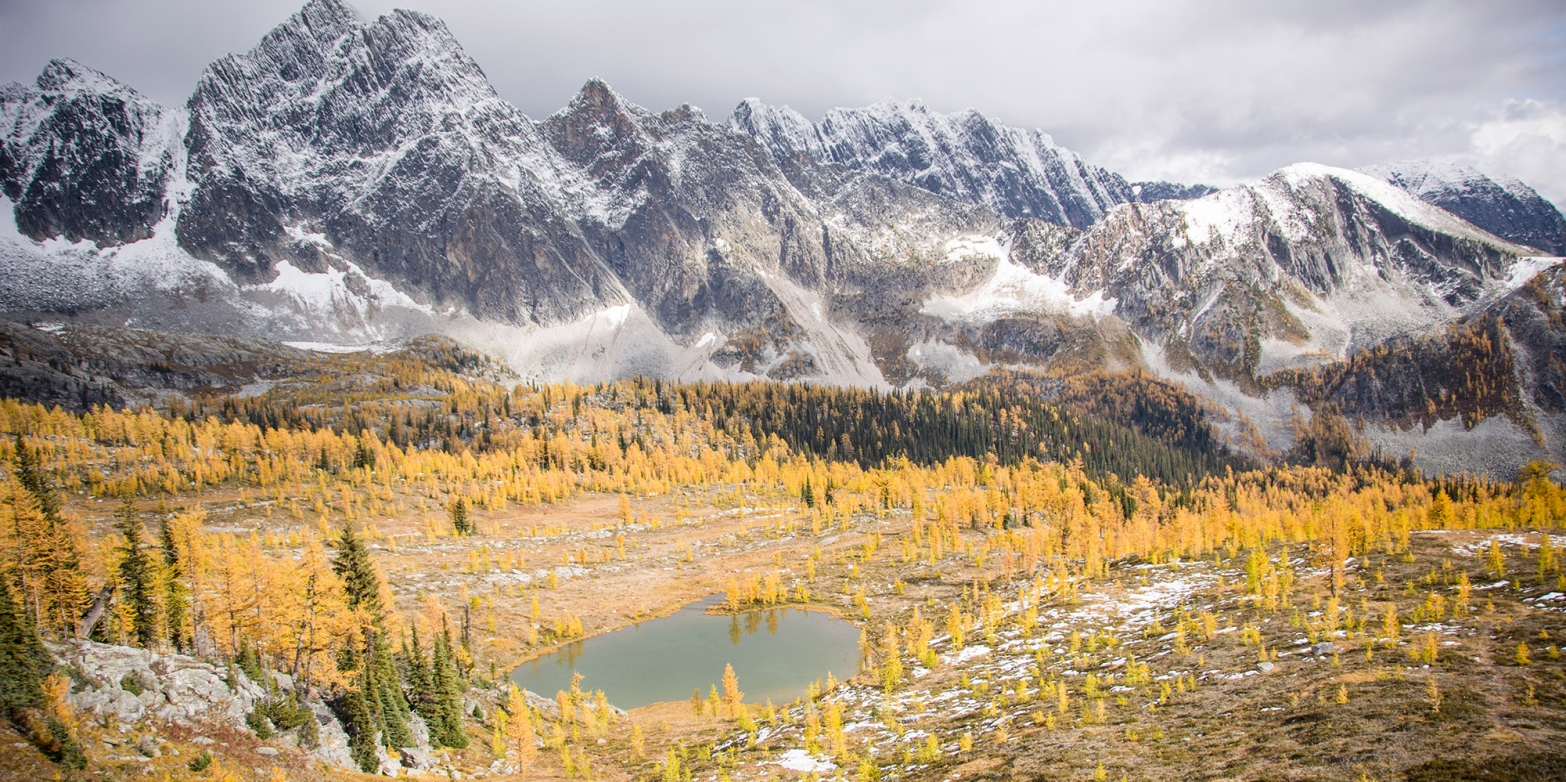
(1311, 260)
(1501, 205)
(384, 143)
(352, 181)
(1148, 192)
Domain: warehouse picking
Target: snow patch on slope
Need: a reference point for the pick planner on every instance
(330, 291)
(953, 363)
(1013, 289)
(1528, 268)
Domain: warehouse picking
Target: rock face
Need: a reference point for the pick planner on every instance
(381, 143)
(1501, 205)
(964, 156)
(333, 748)
(84, 157)
(1148, 192)
(130, 685)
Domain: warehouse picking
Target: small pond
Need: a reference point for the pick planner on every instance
(776, 653)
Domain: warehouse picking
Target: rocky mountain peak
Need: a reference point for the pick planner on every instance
(598, 108)
(79, 141)
(598, 121)
(356, 180)
(326, 112)
(779, 129)
(1148, 192)
(598, 98)
(1503, 206)
(66, 75)
(964, 156)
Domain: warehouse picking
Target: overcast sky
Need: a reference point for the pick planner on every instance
(1214, 92)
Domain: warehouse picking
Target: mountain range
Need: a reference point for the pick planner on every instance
(353, 182)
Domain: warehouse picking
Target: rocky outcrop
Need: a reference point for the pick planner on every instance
(1535, 318)
(132, 684)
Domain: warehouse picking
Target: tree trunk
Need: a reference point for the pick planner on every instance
(94, 615)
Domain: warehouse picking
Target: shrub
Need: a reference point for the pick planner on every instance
(131, 683)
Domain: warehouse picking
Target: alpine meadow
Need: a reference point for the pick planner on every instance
(354, 423)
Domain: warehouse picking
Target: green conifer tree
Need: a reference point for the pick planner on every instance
(448, 730)
(23, 660)
(362, 729)
(176, 594)
(138, 576)
(393, 705)
(354, 567)
(421, 688)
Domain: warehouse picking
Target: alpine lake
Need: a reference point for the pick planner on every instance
(776, 653)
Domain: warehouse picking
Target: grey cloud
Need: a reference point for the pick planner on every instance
(1219, 91)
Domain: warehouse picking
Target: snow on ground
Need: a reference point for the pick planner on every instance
(1528, 268)
(1221, 214)
(803, 762)
(1013, 289)
(617, 341)
(623, 340)
(329, 291)
(328, 347)
(1481, 547)
(1394, 198)
(1000, 663)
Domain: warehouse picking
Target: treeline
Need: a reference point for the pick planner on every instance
(432, 395)
(618, 428)
(1148, 404)
(1007, 422)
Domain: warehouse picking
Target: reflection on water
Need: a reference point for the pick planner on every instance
(664, 659)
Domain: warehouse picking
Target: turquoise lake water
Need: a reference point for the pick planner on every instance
(776, 653)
